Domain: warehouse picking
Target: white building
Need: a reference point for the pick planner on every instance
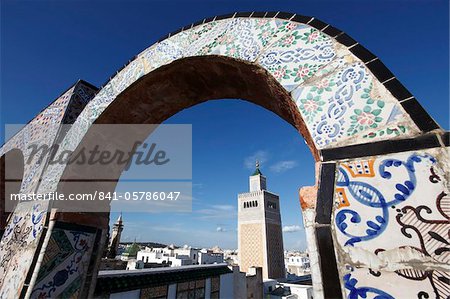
(300, 291)
(231, 257)
(277, 290)
(206, 257)
(297, 263)
(134, 264)
(182, 256)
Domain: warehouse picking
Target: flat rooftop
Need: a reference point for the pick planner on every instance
(114, 281)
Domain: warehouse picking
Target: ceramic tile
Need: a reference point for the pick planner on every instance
(160, 54)
(346, 103)
(297, 55)
(364, 283)
(65, 264)
(18, 245)
(201, 38)
(376, 197)
(244, 39)
(133, 71)
(41, 130)
(390, 213)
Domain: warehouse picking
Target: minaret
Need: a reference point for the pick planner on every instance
(115, 237)
(260, 238)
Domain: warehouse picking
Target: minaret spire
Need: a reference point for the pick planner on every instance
(257, 171)
(257, 180)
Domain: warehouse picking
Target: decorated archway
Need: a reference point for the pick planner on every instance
(379, 209)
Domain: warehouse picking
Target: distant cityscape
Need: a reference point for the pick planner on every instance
(259, 268)
(139, 255)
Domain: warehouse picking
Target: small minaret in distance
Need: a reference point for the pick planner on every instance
(260, 238)
(115, 238)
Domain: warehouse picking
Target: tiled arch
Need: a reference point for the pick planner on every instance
(282, 37)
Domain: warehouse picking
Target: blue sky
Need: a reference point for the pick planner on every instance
(46, 46)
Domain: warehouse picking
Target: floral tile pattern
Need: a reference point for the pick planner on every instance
(203, 35)
(160, 54)
(344, 103)
(297, 55)
(244, 39)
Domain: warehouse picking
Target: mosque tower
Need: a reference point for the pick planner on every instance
(260, 238)
(115, 238)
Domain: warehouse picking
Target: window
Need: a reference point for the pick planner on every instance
(154, 292)
(215, 287)
(192, 289)
(271, 205)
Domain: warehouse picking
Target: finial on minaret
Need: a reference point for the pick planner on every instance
(257, 171)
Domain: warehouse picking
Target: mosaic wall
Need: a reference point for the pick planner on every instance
(23, 232)
(65, 262)
(343, 99)
(44, 128)
(18, 246)
(392, 225)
